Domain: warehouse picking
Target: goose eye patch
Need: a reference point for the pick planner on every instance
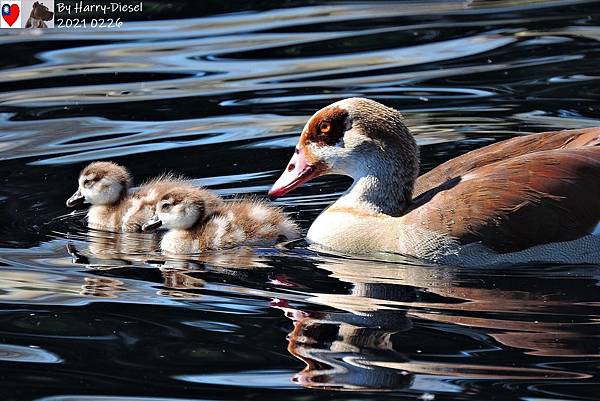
(327, 127)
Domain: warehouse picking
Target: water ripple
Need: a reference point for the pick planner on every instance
(221, 97)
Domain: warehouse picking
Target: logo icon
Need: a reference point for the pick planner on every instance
(40, 15)
(11, 14)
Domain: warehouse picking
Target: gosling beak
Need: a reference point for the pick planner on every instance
(76, 199)
(152, 224)
(297, 172)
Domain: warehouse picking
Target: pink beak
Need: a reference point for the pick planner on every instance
(298, 171)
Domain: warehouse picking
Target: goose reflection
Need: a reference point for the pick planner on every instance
(105, 250)
(368, 338)
(102, 287)
(102, 251)
(337, 348)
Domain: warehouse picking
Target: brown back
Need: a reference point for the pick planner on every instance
(503, 150)
(523, 201)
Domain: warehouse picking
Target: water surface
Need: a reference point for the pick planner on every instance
(220, 93)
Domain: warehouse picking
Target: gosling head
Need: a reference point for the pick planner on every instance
(354, 137)
(182, 208)
(101, 183)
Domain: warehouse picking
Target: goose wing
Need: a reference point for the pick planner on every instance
(568, 139)
(509, 205)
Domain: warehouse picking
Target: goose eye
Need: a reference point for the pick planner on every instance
(86, 183)
(165, 207)
(325, 127)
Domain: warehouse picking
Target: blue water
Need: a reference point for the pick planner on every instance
(220, 92)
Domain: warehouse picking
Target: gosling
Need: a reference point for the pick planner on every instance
(199, 220)
(105, 185)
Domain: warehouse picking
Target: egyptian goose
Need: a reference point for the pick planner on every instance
(199, 220)
(105, 185)
(531, 198)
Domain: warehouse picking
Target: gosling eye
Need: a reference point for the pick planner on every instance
(165, 207)
(87, 183)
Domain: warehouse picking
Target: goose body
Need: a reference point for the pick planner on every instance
(534, 198)
(198, 220)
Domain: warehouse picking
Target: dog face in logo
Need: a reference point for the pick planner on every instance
(39, 14)
(40, 11)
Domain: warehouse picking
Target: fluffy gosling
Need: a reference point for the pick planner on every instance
(105, 185)
(199, 220)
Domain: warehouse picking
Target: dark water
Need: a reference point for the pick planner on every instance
(221, 96)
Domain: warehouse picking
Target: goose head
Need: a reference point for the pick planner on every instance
(182, 208)
(356, 137)
(101, 183)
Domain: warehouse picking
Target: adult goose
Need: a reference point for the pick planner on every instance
(533, 198)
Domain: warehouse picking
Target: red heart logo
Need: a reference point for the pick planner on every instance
(14, 14)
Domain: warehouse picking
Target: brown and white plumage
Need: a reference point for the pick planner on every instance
(530, 198)
(105, 185)
(522, 145)
(514, 204)
(198, 220)
(142, 202)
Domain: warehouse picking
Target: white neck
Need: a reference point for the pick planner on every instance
(375, 193)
